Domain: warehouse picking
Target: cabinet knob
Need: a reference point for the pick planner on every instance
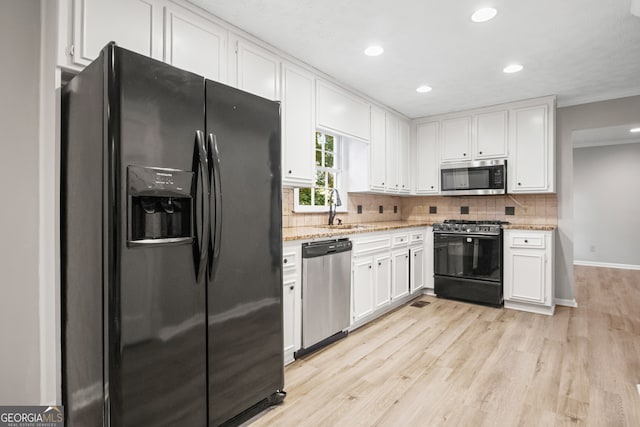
(464, 154)
(369, 266)
(289, 171)
(480, 152)
(396, 185)
(406, 256)
(379, 263)
(519, 183)
(432, 187)
(285, 261)
(526, 241)
(383, 183)
(415, 254)
(291, 287)
(403, 186)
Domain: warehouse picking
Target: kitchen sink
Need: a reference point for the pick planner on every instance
(346, 226)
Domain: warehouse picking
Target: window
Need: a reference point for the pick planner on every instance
(328, 175)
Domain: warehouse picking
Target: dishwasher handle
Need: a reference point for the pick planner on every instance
(326, 247)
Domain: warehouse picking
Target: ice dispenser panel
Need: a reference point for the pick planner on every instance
(160, 206)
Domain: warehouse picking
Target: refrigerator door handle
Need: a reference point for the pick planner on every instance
(216, 203)
(202, 232)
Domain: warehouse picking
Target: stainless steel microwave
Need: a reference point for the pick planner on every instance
(473, 178)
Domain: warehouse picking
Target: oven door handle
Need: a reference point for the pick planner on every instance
(472, 235)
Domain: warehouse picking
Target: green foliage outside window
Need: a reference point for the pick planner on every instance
(326, 172)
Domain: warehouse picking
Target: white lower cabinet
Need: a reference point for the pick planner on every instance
(428, 268)
(400, 273)
(528, 271)
(291, 299)
(363, 288)
(417, 268)
(382, 280)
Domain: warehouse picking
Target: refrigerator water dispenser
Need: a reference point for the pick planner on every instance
(160, 206)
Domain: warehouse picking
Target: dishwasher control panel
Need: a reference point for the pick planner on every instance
(325, 247)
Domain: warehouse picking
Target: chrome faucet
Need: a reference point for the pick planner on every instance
(334, 201)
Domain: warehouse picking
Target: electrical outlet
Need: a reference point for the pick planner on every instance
(380, 209)
(395, 209)
(359, 209)
(509, 210)
(592, 248)
(464, 210)
(433, 209)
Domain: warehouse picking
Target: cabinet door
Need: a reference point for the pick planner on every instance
(378, 149)
(526, 276)
(289, 317)
(255, 70)
(298, 130)
(400, 273)
(392, 184)
(490, 135)
(402, 162)
(195, 44)
(528, 167)
(456, 139)
(382, 280)
(340, 111)
(427, 162)
(417, 268)
(127, 22)
(362, 288)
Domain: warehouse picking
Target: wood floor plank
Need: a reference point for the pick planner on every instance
(458, 364)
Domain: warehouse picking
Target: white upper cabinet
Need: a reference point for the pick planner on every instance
(195, 44)
(392, 183)
(129, 23)
(298, 130)
(341, 112)
(378, 150)
(490, 135)
(254, 69)
(402, 158)
(531, 167)
(427, 164)
(456, 139)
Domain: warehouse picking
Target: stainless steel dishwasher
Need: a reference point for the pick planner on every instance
(326, 292)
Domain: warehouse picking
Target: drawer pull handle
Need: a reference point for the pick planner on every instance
(285, 261)
(526, 241)
(291, 287)
(379, 263)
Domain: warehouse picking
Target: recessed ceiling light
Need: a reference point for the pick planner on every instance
(373, 51)
(423, 89)
(483, 15)
(513, 68)
(635, 130)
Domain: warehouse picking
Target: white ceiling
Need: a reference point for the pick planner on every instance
(580, 50)
(613, 135)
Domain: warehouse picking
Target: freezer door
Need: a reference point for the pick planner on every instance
(157, 304)
(245, 289)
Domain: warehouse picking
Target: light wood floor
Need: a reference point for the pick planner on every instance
(460, 364)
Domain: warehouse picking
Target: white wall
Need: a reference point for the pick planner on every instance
(19, 175)
(606, 201)
(615, 112)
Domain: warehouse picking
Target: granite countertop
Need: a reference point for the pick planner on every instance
(536, 227)
(315, 231)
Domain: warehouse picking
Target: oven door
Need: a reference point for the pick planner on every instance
(468, 256)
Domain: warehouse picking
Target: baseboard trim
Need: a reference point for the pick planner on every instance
(567, 302)
(606, 265)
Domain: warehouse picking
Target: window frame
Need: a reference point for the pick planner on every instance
(338, 170)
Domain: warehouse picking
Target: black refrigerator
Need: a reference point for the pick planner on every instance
(171, 247)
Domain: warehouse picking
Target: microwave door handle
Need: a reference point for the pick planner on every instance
(202, 226)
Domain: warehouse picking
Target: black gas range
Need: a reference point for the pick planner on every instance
(468, 261)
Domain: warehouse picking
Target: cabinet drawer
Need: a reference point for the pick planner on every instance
(416, 237)
(527, 241)
(289, 261)
(401, 239)
(369, 246)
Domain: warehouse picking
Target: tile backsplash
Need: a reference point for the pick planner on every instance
(539, 209)
(528, 209)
